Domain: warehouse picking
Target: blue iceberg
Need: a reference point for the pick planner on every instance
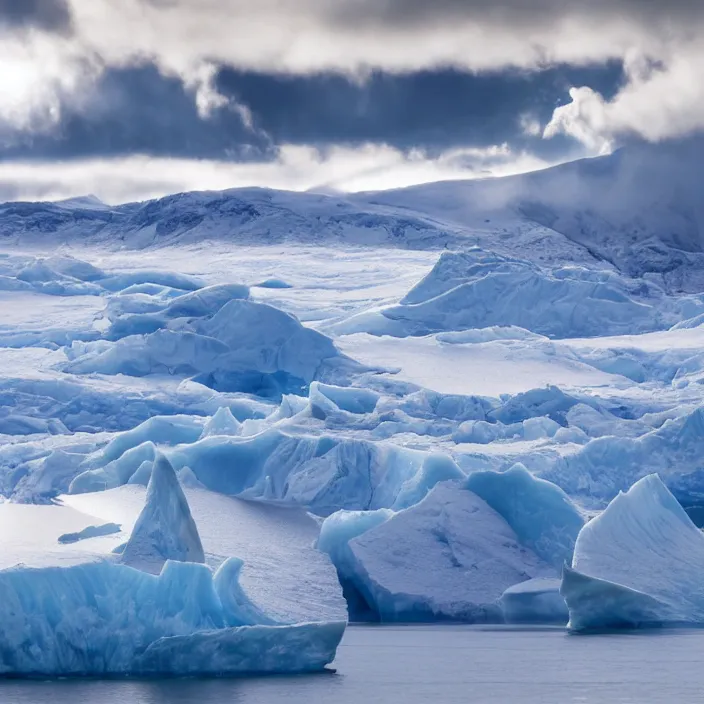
(101, 618)
(165, 530)
(638, 564)
(449, 557)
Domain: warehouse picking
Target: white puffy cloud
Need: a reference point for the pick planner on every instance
(298, 168)
(397, 35)
(660, 100)
(584, 119)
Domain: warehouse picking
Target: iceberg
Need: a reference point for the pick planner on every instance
(222, 423)
(542, 515)
(449, 557)
(90, 532)
(141, 314)
(324, 473)
(241, 346)
(84, 607)
(535, 601)
(639, 563)
(612, 463)
(284, 577)
(479, 289)
(175, 280)
(336, 532)
(100, 618)
(165, 530)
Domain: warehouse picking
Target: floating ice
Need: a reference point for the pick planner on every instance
(450, 557)
(135, 315)
(324, 473)
(479, 290)
(274, 542)
(241, 346)
(541, 514)
(90, 532)
(481, 432)
(610, 464)
(273, 283)
(639, 563)
(103, 618)
(165, 530)
(535, 601)
(222, 423)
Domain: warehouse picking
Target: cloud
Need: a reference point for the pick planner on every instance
(138, 110)
(48, 15)
(201, 80)
(297, 167)
(134, 110)
(660, 100)
(584, 119)
(39, 77)
(188, 39)
(395, 35)
(58, 73)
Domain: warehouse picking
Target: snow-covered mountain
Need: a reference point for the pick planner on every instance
(639, 210)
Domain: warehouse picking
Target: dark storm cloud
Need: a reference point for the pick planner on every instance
(138, 110)
(432, 110)
(49, 15)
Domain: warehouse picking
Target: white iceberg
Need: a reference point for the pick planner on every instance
(450, 557)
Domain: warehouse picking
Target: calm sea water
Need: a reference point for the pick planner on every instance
(437, 664)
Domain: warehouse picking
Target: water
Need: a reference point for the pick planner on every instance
(437, 665)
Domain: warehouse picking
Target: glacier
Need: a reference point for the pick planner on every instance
(408, 405)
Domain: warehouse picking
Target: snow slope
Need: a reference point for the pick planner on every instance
(637, 210)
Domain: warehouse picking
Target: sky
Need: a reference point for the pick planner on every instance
(138, 98)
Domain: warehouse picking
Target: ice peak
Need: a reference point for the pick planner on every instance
(165, 530)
